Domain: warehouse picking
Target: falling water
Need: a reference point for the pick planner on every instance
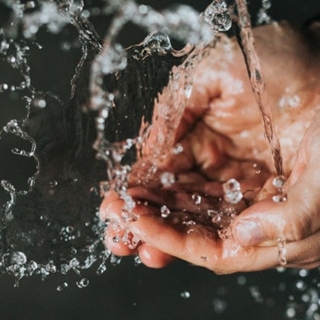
(258, 83)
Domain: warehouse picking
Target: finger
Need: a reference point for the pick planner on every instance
(120, 242)
(293, 220)
(152, 257)
(305, 253)
(203, 249)
(162, 242)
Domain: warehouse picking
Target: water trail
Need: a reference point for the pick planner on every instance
(246, 41)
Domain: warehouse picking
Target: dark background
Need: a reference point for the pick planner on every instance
(123, 292)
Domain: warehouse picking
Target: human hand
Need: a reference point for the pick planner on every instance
(222, 138)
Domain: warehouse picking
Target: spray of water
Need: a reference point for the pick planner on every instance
(109, 59)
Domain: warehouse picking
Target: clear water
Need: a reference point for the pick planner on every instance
(107, 58)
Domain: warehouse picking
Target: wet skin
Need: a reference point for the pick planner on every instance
(222, 138)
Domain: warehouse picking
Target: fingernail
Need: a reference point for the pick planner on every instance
(248, 232)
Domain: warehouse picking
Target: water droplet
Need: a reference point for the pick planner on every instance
(219, 305)
(217, 16)
(101, 269)
(282, 252)
(242, 280)
(18, 257)
(50, 267)
(115, 260)
(116, 239)
(178, 148)
(278, 182)
(185, 295)
(165, 211)
(225, 233)
(232, 191)
(53, 184)
(279, 198)
(59, 288)
(83, 283)
(188, 90)
(256, 294)
(137, 260)
(167, 179)
(196, 198)
(128, 216)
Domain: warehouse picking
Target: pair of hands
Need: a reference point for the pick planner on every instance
(222, 137)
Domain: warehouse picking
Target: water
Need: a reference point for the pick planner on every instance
(110, 58)
(258, 83)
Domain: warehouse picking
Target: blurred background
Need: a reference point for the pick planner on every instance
(125, 291)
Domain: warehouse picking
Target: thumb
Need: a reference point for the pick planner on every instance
(295, 219)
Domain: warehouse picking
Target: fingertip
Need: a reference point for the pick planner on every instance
(152, 257)
(115, 244)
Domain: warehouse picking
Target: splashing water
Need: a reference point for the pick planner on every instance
(109, 59)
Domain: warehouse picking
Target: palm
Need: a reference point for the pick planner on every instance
(223, 137)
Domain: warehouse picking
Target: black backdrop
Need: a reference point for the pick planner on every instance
(179, 291)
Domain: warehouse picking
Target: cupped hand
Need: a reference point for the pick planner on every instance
(222, 137)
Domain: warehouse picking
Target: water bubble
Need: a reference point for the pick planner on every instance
(232, 191)
(165, 211)
(59, 288)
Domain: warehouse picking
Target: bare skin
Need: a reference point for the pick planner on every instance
(222, 138)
